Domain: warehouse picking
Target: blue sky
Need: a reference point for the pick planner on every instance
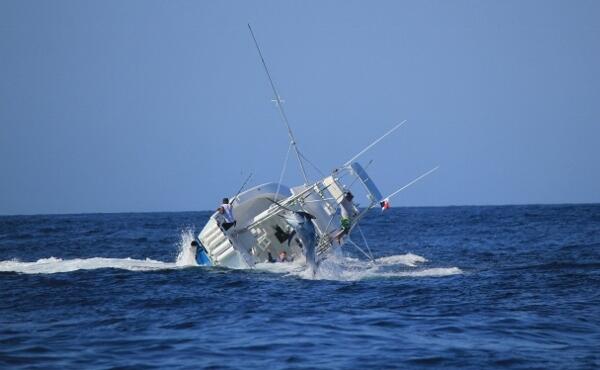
(109, 106)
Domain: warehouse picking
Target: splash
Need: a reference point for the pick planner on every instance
(408, 259)
(54, 265)
(187, 253)
(185, 258)
(338, 266)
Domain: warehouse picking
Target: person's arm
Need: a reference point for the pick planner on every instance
(218, 219)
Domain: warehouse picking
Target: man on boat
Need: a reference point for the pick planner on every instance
(219, 216)
(224, 216)
(347, 213)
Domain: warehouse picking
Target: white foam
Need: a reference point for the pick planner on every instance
(280, 268)
(187, 253)
(54, 265)
(186, 257)
(408, 259)
(433, 272)
(339, 267)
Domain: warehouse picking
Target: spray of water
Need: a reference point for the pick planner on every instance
(340, 267)
(337, 265)
(185, 258)
(187, 253)
(54, 265)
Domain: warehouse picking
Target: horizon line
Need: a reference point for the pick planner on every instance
(208, 210)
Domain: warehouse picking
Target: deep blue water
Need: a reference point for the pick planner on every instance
(502, 287)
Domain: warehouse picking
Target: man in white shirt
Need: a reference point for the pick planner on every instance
(228, 219)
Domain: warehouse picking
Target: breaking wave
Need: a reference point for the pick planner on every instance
(339, 267)
(52, 265)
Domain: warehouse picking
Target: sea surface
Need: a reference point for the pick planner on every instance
(511, 287)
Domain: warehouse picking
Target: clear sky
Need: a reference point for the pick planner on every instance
(109, 106)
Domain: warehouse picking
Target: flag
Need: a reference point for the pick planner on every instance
(385, 204)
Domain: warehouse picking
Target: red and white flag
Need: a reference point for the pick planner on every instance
(385, 204)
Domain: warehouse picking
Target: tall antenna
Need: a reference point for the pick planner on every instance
(281, 111)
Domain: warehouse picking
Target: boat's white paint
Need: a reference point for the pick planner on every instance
(258, 215)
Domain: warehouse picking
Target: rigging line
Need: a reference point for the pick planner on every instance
(326, 233)
(326, 238)
(329, 223)
(365, 240)
(359, 248)
(312, 164)
(325, 241)
(281, 111)
(375, 142)
(287, 155)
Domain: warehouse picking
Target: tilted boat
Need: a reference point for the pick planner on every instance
(304, 221)
(265, 227)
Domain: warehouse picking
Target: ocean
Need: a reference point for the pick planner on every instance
(507, 287)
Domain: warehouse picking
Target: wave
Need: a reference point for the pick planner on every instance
(52, 265)
(408, 259)
(337, 265)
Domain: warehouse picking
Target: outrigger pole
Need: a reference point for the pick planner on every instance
(410, 183)
(281, 111)
(375, 142)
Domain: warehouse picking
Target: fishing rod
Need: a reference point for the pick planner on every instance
(242, 187)
(280, 107)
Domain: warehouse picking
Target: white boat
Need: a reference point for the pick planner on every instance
(304, 221)
(263, 226)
